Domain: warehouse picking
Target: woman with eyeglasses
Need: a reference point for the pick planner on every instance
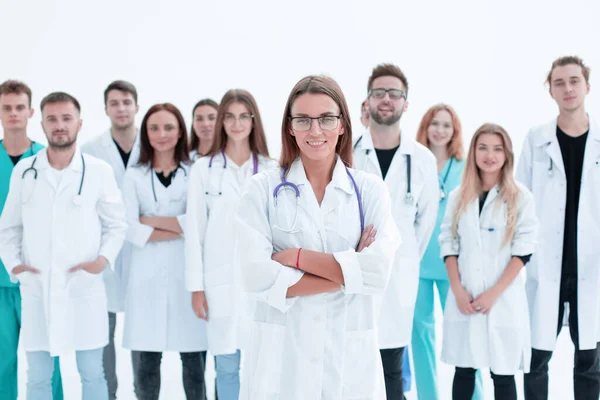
(158, 316)
(316, 243)
(202, 132)
(488, 234)
(440, 131)
(217, 182)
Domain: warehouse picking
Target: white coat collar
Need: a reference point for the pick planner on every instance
(365, 142)
(75, 164)
(340, 178)
(548, 132)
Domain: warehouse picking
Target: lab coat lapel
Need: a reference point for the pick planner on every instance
(307, 200)
(366, 151)
(340, 185)
(592, 149)
(552, 147)
(72, 176)
(399, 167)
(110, 148)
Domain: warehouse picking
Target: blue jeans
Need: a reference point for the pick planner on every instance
(228, 376)
(89, 363)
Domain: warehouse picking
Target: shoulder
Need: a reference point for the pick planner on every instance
(423, 154)
(136, 171)
(368, 183)
(23, 164)
(93, 144)
(267, 162)
(37, 147)
(525, 195)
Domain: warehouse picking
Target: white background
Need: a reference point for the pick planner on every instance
(488, 59)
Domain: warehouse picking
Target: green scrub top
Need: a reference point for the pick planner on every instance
(432, 265)
(6, 167)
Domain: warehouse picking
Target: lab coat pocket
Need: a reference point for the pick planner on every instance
(266, 356)
(221, 301)
(30, 283)
(362, 364)
(84, 284)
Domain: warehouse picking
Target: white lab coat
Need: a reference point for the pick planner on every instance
(209, 247)
(42, 227)
(544, 270)
(104, 148)
(415, 222)
(322, 346)
(499, 340)
(158, 310)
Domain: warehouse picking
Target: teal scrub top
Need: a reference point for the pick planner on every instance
(432, 265)
(6, 167)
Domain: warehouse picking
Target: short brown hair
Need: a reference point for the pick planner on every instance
(59, 97)
(122, 86)
(181, 148)
(258, 141)
(15, 87)
(567, 60)
(315, 85)
(387, 70)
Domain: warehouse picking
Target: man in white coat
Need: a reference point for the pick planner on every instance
(120, 147)
(410, 172)
(62, 225)
(560, 164)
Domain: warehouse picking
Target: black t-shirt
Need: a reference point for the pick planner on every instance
(124, 155)
(572, 150)
(385, 156)
(15, 159)
(165, 180)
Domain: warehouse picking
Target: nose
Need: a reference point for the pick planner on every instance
(315, 128)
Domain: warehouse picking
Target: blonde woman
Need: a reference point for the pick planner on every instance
(488, 235)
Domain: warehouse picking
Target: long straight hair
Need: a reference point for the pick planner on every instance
(455, 146)
(181, 148)
(314, 84)
(471, 187)
(258, 141)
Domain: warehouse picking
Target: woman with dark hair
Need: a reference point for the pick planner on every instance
(315, 246)
(158, 317)
(202, 132)
(217, 181)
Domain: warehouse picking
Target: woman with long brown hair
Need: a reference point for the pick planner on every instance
(158, 316)
(315, 245)
(488, 234)
(217, 181)
(202, 131)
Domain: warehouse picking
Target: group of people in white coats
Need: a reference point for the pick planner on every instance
(315, 272)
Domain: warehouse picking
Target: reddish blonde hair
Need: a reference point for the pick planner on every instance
(455, 146)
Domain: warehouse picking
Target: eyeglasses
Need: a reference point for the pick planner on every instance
(327, 123)
(244, 119)
(395, 94)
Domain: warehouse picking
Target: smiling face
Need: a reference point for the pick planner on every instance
(317, 139)
(205, 118)
(440, 130)
(490, 153)
(163, 131)
(237, 122)
(387, 110)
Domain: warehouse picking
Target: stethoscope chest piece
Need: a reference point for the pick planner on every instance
(77, 200)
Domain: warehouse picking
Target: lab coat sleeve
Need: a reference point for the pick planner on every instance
(524, 167)
(263, 278)
(427, 206)
(195, 229)
(368, 272)
(525, 238)
(137, 233)
(11, 226)
(449, 246)
(111, 211)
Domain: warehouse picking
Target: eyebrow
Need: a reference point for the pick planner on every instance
(324, 114)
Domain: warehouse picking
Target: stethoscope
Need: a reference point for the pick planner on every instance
(551, 168)
(173, 177)
(77, 197)
(408, 197)
(284, 183)
(443, 181)
(210, 162)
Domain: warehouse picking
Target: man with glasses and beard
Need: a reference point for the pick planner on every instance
(410, 172)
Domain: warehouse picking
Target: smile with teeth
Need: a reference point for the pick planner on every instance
(315, 143)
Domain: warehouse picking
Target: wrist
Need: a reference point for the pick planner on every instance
(102, 261)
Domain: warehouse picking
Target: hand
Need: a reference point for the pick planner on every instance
(19, 269)
(463, 300)
(367, 238)
(93, 267)
(286, 257)
(199, 305)
(144, 220)
(486, 300)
